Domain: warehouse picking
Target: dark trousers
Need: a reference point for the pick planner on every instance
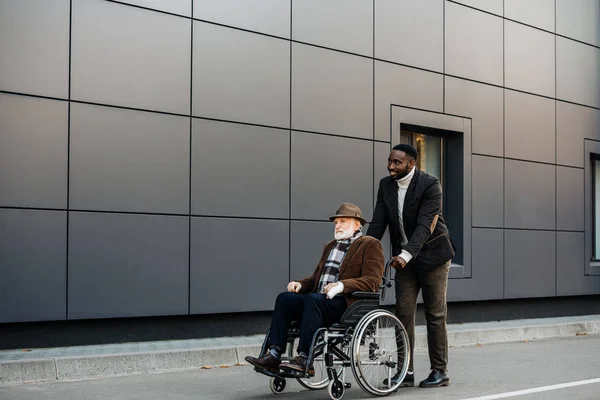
(313, 310)
(408, 283)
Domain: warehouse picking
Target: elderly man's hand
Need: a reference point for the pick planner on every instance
(333, 288)
(398, 262)
(294, 287)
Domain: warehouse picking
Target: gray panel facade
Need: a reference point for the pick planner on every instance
(403, 86)
(324, 175)
(265, 16)
(529, 264)
(529, 59)
(33, 152)
(241, 76)
(124, 160)
(34, 43)
(33, 260)
(340, 24)
(139, 139)
(484, 104)
(488, 192)
(574, 124)
(570, 212)
(577, 85)
(518, 108)
(127, 265)
(537, 13)
(308, 239)
(473, 44)
(180, 7)
(344, 82)
(142, 61)
(529, 195)
(255, 185)
(224, 271)
(420, 24)
(579, 20)
(490, 6)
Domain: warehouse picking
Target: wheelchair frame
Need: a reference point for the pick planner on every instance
(360, 320)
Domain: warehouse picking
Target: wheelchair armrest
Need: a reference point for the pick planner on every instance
(365, 295)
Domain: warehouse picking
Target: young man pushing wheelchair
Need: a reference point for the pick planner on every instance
(349, 263)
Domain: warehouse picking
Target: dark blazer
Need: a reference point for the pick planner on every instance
(428, 238)
(361, 269)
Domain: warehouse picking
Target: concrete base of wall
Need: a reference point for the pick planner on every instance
(91, 332)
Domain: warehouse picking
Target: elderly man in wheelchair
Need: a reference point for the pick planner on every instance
(334, 314)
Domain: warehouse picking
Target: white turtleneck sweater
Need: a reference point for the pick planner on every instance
(402, 188)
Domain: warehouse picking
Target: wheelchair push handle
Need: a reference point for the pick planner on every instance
(386, 281)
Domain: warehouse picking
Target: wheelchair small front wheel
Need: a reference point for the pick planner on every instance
(277, 385)
(335, 389)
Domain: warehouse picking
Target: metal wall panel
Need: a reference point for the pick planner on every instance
(123, 160)
(241, 76)
(573, 124)
(518, 123)
(569, 199)
(33, 259)
(331, 92)
(410, 32)
(474, 44)
(579, 19)
(328, 171)
(529, 195)
(237, 264)
(34, 43)
(538, 13)
(577, 81)
(267, 16)
(381, 153)
(570, 261)
(33, 152)
(529, 264)
(529, 59)
(339, 24)
(240, 170)
(488, 192)
(407, 87)
(490, 6)
(307, 242)
(127, 56)
(484, 104)
(124, 265)
(180, 7)
(487, 281)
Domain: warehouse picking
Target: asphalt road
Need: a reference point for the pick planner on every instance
(476, 373)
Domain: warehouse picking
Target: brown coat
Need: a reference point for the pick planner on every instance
(361, 269)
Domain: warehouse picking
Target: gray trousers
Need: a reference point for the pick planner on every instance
(409, 281)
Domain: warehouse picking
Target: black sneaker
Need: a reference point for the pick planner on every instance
(409, 379)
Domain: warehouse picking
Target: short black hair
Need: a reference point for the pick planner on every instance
(407, 149)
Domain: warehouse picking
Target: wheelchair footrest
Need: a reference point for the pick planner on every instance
(282, 374)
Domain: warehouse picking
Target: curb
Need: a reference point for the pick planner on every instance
(16, 372)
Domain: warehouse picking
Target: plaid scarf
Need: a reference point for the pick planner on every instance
(332, 265)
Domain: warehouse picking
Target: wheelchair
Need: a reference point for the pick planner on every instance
(369, 340)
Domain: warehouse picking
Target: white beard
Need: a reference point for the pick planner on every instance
(346, 234)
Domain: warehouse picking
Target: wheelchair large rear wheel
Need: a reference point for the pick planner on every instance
(320, 380)
(379, 349)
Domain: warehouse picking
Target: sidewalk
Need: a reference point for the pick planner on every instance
(100, 361)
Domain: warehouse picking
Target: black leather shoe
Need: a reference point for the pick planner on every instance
(268, 362)
(436, 378)
(409, 380)
(299, 364)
